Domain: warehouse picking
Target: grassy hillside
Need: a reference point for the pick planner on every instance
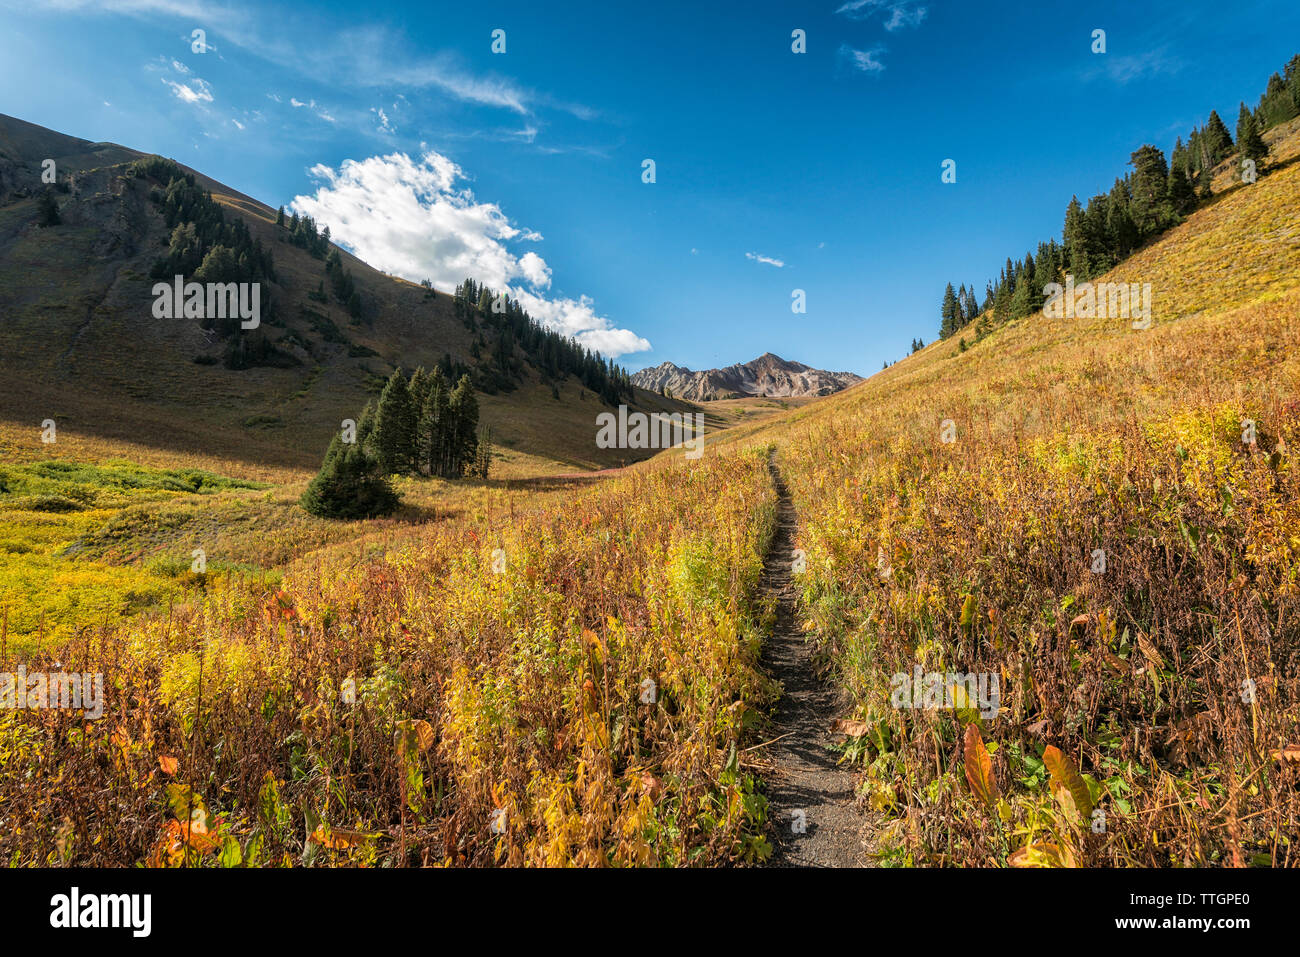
(1168, 679)
(79, 343)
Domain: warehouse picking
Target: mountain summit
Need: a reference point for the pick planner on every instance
(768, 375)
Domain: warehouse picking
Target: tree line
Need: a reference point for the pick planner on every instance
(501, 324)
(1155, 196)
(198, 225)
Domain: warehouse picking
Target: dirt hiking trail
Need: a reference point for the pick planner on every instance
(811, 801)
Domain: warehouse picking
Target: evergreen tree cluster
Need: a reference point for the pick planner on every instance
(424, 425)
(958, 309)
(341, 284)
(302, 232)
(501, 324)
(1156, 195)
(198, 225)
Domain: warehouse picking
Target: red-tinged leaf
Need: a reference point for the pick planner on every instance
(979, 767)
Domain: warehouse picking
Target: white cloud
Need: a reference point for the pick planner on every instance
(384, 125)
(865, 61)
(311, 105)
(896, 14)
(534, 269)
(578, 318)
(778, 263)
(412, 218)
(195, 91)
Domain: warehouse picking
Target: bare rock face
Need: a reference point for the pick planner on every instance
(768, 375)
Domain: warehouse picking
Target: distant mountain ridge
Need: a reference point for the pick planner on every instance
(768, 375)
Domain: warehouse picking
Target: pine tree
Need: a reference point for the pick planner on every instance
(394, 430)
(1249, 142)
(349, 485)
(949, 320)
(279, 218)
(1097, 235)
(1076, 246)
(1019, 306)
(483, 455)
(1150, 206)
(419, 388)
(366, 426)
(462, 433)
(1182, 195)
(1218, 140)
(433, 425)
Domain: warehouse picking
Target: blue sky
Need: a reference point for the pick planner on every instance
(431, 155)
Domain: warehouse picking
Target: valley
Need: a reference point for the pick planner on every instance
(1028, 597)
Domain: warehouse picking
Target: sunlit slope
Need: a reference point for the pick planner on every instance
(563, 678)
(1114, 535)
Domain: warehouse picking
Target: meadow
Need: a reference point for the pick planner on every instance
(547, 669)
(1112, 530)
(524, 681)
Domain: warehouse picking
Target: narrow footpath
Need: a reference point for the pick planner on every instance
(811, 797)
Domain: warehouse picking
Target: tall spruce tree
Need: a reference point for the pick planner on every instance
(1182, 195)
(949, 317)
(395, 422)
(463, 425)
(433, 425)
(1249, 143)
(1218, 141)
(1150, 206)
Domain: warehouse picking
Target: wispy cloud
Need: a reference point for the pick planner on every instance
(778, 263)
(864, 61)
(385, 126)
(360, 56)
(194, 90)
(1136, 66)
(896, 14)
(310, 105)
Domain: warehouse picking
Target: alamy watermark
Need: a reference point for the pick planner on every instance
(637, 430)
(214, 300)
(1103, 300)
(52, 690)
(935, 690)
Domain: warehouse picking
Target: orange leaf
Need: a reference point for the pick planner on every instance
(1037, 855)
(979, 766)
(1064, 775)
(167, 763)
(338, 839)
